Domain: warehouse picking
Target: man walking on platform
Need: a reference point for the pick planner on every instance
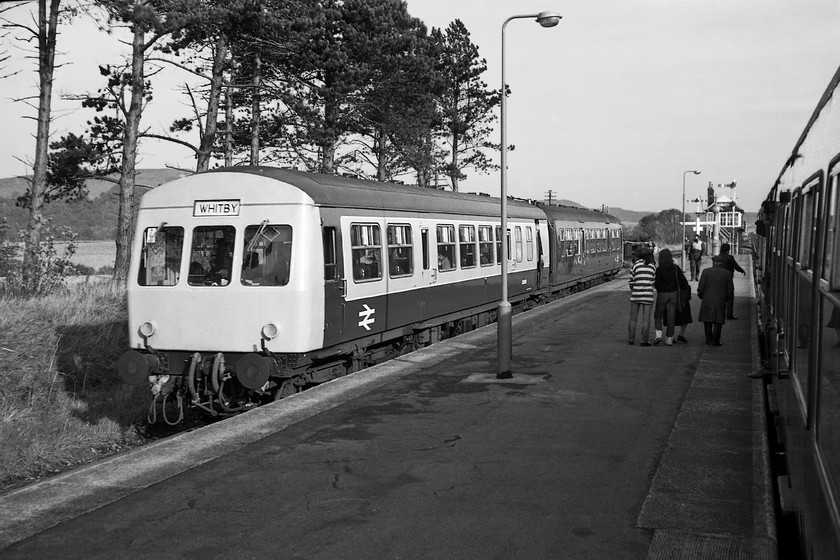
(715, 290)
(730, 265)
(695, 254)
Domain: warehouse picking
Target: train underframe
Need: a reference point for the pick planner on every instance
(218, 385)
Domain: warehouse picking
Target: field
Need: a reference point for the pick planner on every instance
(94, 254)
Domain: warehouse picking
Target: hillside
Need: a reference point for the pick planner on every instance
(95, 218)
(92, 219)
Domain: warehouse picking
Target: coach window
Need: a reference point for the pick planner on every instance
(267, 255)
(446, 247)
(211, 256)
(831, 266)
(517, 232)
(529, 243)
(466, 240)
(806, 230)
(160, 256)
(366, 252)
(424, 242)
(485, 245)
(330, 254)
(400, 251)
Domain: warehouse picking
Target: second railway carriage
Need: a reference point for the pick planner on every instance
(249, 283)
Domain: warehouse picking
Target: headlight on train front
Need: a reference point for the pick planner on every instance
(147, 329)
(270, 331)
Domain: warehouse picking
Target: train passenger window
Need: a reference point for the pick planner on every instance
(400, 251)
(466, 239)
(424, 240)
(160, 256)
(366, 252)
(578, 247)
(267, 255)
(499, 245)
(806, 230)
(446, 247)
(517, 232)
(211, 256)
(831, 266)
(529, 243)
(330, 260)
(485, 245)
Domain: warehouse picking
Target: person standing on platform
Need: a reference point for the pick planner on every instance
(730, 265)
(715, 290)
(695, 255)
(668, 283)
(641, 296)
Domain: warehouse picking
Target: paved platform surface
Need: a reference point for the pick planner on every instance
(595, 449)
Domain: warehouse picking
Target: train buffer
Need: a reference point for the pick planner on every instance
(595, 449)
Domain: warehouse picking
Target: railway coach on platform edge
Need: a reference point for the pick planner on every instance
(249, 283)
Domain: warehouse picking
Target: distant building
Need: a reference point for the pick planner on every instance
(718, 220)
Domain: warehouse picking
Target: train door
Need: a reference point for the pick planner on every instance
(543, 252)
(335, 285)
(428, 272)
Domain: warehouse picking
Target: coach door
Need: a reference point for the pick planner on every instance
(428, 269)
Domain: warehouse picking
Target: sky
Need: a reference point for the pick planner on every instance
(610, 107)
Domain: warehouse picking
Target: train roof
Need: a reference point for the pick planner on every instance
(348, 192)
(575, 213)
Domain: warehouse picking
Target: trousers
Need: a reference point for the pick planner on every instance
(666, 302)
(635, 308)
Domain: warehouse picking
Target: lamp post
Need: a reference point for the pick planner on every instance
(504, 332)
(683, 214)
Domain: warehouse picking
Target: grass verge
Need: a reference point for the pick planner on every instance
(61, 401)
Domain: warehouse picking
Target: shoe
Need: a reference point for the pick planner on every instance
(716, 344)
(630, 342)
(644, 343)
(733, 318)
(681, 338)
(708, 343)
(657, 341)
(669, 341)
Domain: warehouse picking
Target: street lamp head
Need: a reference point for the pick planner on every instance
(696, 172)
(548, 19)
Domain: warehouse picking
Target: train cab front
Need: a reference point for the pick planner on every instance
(221, 297)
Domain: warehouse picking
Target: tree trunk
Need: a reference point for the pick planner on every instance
(47, 28)
(205, 148)
(255, 111)
(125, 218)
(229, 123)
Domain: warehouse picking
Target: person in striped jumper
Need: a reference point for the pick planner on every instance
(641, 295)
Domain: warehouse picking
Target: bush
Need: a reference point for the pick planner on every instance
(83, 270)
(62, 401)
(50, 269)
(106, 270)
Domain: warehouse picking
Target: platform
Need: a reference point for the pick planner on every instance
(595, 449)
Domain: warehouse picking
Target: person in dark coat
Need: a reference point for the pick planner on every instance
(715, 290)
(668, 282)
(731, 265)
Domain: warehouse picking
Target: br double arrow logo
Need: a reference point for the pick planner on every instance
(366, 317)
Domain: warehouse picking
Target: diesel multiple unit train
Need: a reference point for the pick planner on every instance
(249, 283)
(798, 265)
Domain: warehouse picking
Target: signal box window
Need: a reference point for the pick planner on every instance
(466, 237)
(446, 247)
(400, 251)
(366, 252)
(267, 255)
(211, 256)
(485, 245)
(160, 256)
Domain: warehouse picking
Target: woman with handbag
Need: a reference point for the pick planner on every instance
(669, 280)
